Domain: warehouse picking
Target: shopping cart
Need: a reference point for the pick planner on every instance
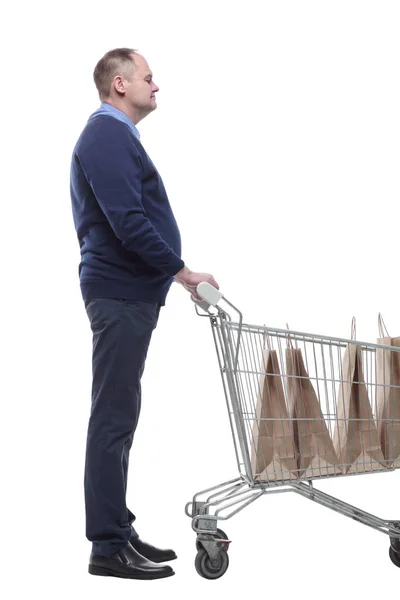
(240, 349)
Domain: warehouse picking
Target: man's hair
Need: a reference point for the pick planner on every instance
(115, 62)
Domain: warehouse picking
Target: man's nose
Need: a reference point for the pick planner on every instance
(155, 87)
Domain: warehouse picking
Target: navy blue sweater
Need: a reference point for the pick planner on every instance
(129, 239)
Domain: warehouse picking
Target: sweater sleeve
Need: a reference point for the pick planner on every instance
(113, 169)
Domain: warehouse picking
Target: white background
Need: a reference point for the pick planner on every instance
(277, 137)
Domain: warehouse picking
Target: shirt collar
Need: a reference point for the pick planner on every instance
(108, 109)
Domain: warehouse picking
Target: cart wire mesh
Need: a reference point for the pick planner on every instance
(303, 406)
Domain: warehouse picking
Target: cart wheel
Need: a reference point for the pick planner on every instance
(206, 569)
(394, 556)
(220, 535)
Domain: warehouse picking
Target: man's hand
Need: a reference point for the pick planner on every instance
(190, 280)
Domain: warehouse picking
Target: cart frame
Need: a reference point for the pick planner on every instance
(223, 501)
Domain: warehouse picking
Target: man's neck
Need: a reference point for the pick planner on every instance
(128, 111)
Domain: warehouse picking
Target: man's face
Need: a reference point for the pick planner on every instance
(141, 90)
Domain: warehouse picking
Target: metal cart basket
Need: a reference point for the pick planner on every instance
(322, 374)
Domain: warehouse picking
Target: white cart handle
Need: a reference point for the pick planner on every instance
(209, 293)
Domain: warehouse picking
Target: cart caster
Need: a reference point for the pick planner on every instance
(220, 535)
(395, 544)
(394, 556)
(211, 569)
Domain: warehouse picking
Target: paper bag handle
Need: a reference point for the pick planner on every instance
(267, 340)
(353, 329)
(382, 327)
(289, 340)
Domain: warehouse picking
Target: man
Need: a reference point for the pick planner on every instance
(130, 254)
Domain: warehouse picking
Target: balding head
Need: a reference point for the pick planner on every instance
(124, 80)
(115, 62)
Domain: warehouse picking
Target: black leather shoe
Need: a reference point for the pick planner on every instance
(129, 564)
(151, 552)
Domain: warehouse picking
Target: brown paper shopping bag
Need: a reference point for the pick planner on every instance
(273, 454)
(356, 438)
(315, 452)
(388, 396)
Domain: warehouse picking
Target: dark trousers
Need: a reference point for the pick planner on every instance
(122, 331)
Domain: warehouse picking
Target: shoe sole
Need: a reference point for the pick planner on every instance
(105, 572)
(163, 560)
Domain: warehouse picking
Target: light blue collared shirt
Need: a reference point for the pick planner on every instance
(108, 109)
